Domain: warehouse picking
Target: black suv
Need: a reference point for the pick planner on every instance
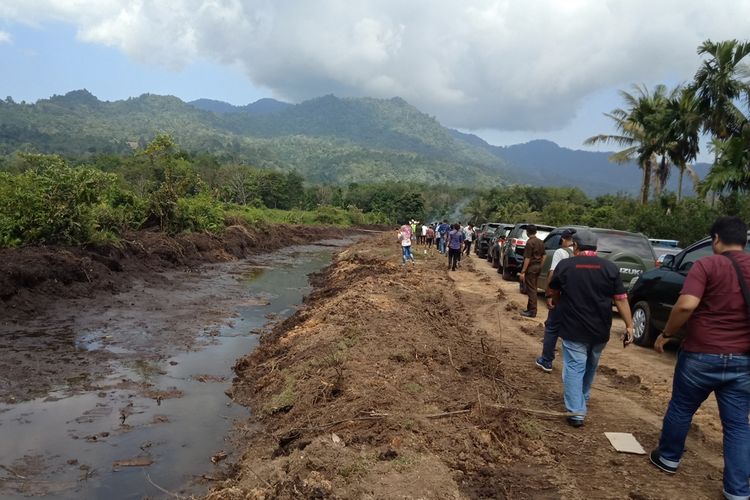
(653, 295)
(632, 253)
(511, 253)
(496, 243)
(483, 238)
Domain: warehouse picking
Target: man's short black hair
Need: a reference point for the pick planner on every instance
(531, 229)
(731, 230)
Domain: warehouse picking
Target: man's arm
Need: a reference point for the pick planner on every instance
(623, 307)
(681, 312)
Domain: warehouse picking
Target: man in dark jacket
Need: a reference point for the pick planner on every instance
(533, 260)
(583, 289)
(715, 355)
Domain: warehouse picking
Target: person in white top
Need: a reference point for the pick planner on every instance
(551, 325)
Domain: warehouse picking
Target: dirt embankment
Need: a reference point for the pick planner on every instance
(415, 382)
(381, 387)
(31, 277)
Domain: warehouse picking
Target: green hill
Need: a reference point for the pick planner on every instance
(327, 139)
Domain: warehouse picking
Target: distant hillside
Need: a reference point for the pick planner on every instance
(545, 163)
(259, 107)
(326, 139)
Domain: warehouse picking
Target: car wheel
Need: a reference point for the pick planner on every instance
(508, 275)
(488, 256)
(495, 261)
(642, 330)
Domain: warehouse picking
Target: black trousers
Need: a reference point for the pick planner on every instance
(454, 255)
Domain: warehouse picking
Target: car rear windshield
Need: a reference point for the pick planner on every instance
(631, 243)
(539, 234)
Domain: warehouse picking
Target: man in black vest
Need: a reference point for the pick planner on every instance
(583, 288)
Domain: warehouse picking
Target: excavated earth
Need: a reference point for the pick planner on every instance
(411, 381)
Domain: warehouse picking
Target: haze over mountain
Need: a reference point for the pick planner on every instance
(326, 139)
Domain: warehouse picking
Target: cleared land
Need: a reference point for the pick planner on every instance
(413, 382)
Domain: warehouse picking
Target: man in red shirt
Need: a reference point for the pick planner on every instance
(715, 356)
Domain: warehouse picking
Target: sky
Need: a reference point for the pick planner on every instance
(507, 70)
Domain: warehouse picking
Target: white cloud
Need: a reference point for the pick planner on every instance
(5, 37)
(501, 64)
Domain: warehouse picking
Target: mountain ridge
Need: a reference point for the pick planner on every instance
(327, 139)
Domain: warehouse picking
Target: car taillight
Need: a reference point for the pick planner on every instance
(517, 243)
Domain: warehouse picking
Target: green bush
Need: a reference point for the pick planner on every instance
(198, 213)
(51, 202)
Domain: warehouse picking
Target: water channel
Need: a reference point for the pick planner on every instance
(83, 444)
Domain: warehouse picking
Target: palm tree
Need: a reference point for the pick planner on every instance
(719, 88)
(639, 127)
(684, 135)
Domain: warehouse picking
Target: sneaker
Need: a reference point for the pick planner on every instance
(528, 314)
(655, 458)
(575, 421)
(544, 365)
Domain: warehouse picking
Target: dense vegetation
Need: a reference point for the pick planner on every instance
(45, 199)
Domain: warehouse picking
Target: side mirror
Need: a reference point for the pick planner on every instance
(668, 261)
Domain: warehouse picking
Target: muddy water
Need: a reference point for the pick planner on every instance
(159, 412)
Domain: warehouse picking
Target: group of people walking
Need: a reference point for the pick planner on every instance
(581, 288)
(452, 240)
(714, 356)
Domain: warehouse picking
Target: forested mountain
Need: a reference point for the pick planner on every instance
(327, 140)
(545, 163)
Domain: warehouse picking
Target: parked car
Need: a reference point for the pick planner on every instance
(483, 239)
(654, 293)
(511, 253)
(496, 243)
(663, 248)
(631, 252)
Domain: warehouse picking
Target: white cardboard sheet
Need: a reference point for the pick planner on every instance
(625, 442)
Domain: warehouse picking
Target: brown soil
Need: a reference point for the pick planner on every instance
(413, 382)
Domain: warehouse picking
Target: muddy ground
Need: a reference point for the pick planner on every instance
(141, 291)
(413, 382)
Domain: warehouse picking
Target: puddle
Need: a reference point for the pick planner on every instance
(156, 410)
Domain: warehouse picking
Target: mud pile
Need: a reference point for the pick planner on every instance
(379, 387)
(31, 277)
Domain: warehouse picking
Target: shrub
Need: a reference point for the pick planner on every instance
(51, 202)
(198, 213)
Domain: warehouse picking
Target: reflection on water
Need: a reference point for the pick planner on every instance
(63, 446)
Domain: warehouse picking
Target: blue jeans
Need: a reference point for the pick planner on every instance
(441, 244)
(406, 250)
(580, 360)
(695, 377)
(551, 327)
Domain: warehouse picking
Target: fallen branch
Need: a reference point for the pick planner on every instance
(450, 358)
(537, 412)
(447, 414)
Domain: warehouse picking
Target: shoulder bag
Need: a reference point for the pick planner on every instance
(741, 279)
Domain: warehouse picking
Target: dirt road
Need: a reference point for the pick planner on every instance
(414, 382)
(630, 394)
